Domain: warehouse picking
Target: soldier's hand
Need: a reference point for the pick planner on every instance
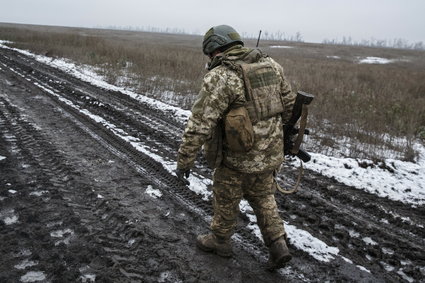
(182, 175)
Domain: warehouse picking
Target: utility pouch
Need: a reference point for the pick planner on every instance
(238, 130)
(213, 147)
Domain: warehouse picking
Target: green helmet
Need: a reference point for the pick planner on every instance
(220, 37)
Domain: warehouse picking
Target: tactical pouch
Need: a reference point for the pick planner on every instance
(238, 130)
(213, 148)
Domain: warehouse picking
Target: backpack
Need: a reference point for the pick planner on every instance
(262, 90)
(263, 101)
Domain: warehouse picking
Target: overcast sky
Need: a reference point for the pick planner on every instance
(314, 19)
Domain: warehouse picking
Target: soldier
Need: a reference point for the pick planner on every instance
(239, 116)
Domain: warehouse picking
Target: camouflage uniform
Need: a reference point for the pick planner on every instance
(248, 174)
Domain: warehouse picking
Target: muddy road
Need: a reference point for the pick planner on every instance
(80, 203)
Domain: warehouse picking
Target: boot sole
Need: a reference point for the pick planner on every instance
(279, 263)
(215, 251)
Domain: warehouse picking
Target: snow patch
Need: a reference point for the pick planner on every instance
(245, 207)
(168, 276)
(33, 276)
(347, 260)
(60, 233)
(387, 251)
(87, 274)
(363, 268)
(387, 266)
(2, 158)
(375, 60)
(8, 216)
(25, 263)
(88, 278)
(12, 192)
(5, 42)
(393, 179)
(155, 193)
(199, 185)
(404, 276)
(253, 226)
(10, 220)
(54, 223)
(316, 248)
(333, 57)
(281, 46)
(22, 253)
(369, 241)
(38, 193)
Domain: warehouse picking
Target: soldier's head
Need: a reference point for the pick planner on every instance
(220, 38)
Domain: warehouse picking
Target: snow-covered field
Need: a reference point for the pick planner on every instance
(397, 180)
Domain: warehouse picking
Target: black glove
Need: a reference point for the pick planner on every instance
(182, 175)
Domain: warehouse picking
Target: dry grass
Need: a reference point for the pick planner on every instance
(155, 61)
(366, 103)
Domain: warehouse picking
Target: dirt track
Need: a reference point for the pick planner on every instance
(74, 206)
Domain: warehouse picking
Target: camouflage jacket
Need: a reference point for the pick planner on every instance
(222, 88)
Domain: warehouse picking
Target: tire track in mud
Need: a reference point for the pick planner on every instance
(49, 178)
(72, 215)
(328, 221)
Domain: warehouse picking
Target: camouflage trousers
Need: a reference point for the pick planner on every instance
(258, 189)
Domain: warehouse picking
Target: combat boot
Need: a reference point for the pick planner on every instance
(278, 254)
(212, 243)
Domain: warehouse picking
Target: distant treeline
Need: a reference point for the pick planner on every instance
(399, 43)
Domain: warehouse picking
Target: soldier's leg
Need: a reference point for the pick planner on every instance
(227, 194)
(259, 192)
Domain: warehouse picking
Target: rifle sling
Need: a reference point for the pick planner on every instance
(297, 184)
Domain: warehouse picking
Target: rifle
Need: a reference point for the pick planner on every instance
(291, 145)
